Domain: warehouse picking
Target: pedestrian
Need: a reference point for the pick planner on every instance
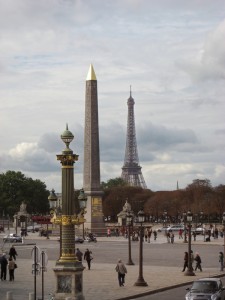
(198, 262)
(180, 233)
(88, 257)
(155, 235)
(149, 233)
(168, 237)
(185, 261)
(11, 267)
(79, 254)
(194, 236)
(12, 252)
(221, 259)
(172, 237)
(121, 270)
(4, 263)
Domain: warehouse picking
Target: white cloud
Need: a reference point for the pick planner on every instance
(170, 51)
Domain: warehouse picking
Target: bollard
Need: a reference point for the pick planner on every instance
(9, 296)
(31, 296)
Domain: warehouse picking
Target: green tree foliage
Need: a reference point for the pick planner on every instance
(114, 182)
(15, 188)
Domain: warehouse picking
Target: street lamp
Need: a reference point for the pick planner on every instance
(165, 217)
(189, 272)
(185, 231)
(52, 198)
(140, 281)
(68, 270)
(129, 222)
(224, 234)
(83, 204)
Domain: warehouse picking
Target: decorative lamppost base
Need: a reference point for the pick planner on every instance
(140, 282)
(130, 263)
(189, 273)
(69, 280)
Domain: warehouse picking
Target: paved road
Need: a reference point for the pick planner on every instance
(162, 266)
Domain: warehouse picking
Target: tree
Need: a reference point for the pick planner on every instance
(15, 188)
(114, 182)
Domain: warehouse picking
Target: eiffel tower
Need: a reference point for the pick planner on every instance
(131, 170)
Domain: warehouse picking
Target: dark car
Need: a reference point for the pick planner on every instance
(12, 238)
(207, 289)
(78, 239)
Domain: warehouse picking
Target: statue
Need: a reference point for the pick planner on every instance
(23, 207)
(127, 207)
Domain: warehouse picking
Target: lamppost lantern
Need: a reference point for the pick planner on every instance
(189, 216)
(141, 216)
(52, 197)
(128, 218)
(82, 199)
(67, 138)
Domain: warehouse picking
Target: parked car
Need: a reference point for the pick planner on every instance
(206, 288)
(162, 229)
(12, 238)
(175, 227)
(78, 239)
(198, 230)
(34, 228)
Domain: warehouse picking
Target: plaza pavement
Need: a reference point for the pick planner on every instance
(101, 281)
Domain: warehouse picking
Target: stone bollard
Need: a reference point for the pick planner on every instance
(31, 296)
(9, 296)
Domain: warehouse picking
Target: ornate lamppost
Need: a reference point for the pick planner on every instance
(189, 271)
(140, 281)
(52, 198)
(224, 235)
(129, 218)
(185, 230)
(68, 270)
(165, 217)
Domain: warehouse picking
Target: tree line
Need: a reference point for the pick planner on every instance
(207, 203)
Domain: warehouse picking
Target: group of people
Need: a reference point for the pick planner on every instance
(198, 261)
(195, 258)
(87, 256)
(8, 264)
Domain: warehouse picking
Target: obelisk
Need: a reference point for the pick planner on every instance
(91, 180)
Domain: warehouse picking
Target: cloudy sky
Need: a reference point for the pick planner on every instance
(172, 52)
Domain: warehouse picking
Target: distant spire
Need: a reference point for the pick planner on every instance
(177, 185)
(91, 74)
(130, 92)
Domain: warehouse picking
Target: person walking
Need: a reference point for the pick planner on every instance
(11, 267)
(198, 262)
(12, 252)
(79, 254)
(180, 233)
(155, 235)
(185, 261)
(221, 260)
(172, 237)
(88, 257)
(121, 270)
(4, 263)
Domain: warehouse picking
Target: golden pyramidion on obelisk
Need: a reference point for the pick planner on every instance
(91, 74)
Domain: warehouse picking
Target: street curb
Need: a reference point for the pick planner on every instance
(166, 288)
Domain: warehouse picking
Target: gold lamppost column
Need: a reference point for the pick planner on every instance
(68, 270)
